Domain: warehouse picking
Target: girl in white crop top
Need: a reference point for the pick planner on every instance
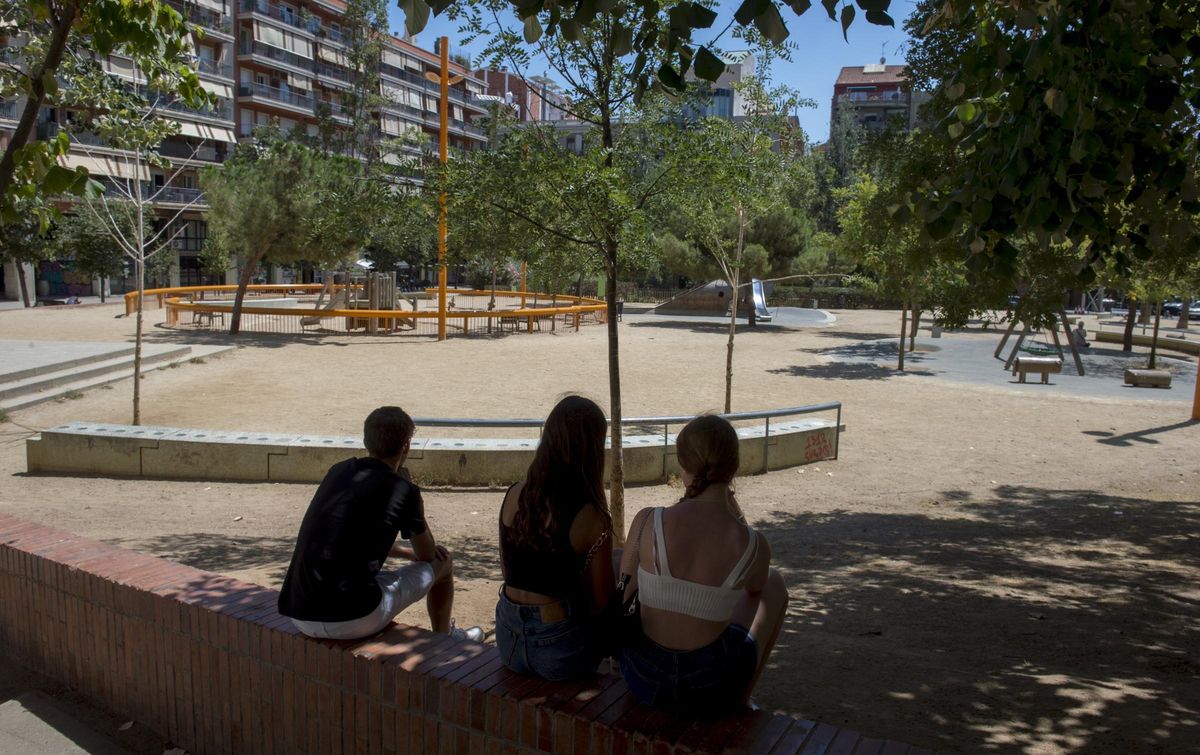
(711, 605)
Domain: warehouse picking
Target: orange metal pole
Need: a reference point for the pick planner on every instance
(522, 285)
(443, 153)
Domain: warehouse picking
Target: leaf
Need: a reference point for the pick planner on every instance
(670, 78)
(58, 179)
(879, 18)
(622, 40)
(749, 10)
(708, 66)
(571, 30)
(770, 23)
(966, 112)
(830, 8)
(533, 30)
(869, 5)
(954, 91)
(1055, 101)
(416, 15)
(955, 130)
(701, 17)
(800, 6)
(847, 19)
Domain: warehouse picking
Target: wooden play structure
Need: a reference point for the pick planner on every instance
(1037, 356)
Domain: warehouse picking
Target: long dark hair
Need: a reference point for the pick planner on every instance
(707, 448)
(567, 468)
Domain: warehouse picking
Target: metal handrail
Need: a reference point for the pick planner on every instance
(666, 422)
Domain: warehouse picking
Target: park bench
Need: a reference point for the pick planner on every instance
(1042, 365)
(207, 662)
(1148, 378)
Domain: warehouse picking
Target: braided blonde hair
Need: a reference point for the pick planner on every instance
(707, 448)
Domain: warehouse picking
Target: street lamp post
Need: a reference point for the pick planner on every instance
(444, 80)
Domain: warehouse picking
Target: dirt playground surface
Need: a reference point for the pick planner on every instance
(984, 569)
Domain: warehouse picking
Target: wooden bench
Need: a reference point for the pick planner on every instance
(207, 662)
(1148, 378)
(1043, 365)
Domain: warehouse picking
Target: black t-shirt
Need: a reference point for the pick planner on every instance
(347, 532)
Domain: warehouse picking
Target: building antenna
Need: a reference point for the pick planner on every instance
(883, 54)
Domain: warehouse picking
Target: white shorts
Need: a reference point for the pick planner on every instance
(401, 588)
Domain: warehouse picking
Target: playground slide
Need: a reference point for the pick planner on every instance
(760, 299)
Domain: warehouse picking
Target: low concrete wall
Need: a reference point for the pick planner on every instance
(1164, 342)
(208, 662)
(173, 453)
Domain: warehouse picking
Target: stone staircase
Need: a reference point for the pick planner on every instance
(32, 372)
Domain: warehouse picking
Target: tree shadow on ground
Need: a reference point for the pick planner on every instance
(1037, 618)
(854, 335)
(707, 327)
(220, 553)
(843, 371)
(1125, 440)
(162, 334)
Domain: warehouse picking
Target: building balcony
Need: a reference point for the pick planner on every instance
(9, 111)
(337, 73)
(173, 149)
(274, 54)
(159, 195)
(286, 97)
(457, 96)
(213, 68)
(308, 24)
(203, 17)
(896, 99)
(222, 111)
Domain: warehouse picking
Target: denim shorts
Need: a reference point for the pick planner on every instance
(557, 651)
(709, 679)
(400, 589)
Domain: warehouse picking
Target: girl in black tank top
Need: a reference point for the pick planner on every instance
(556, 550)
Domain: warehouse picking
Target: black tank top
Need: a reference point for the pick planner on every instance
(555, 573)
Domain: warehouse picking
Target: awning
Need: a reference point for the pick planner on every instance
(205, 131)
(220, 90)
(337, 57)
(103, 165)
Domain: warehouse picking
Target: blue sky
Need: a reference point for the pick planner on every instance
(819, 51)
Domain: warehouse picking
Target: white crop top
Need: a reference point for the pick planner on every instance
(667, 593)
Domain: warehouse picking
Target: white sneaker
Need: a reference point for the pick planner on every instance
(474, 634)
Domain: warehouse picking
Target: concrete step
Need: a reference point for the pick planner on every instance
(108, 378)
(118, 350)
(74, 373)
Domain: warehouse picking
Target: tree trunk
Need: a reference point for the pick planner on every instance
(1144, 314)
(492, 301)
(1130, 318)
(1182, 324)
(914, 324)
(140, 271)
(903, 333)
(734, 281)
(1154, 341)
(616, 494)
(37, 94)
(103, 281)
(235, 318)
(24, 286)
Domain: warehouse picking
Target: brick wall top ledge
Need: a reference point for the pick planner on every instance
(206, 660)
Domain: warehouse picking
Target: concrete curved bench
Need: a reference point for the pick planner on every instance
(174, 453)
(206, 661)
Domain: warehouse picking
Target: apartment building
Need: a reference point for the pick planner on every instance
(877, 96)
(723, 99)
(534, 98)
(265, 63)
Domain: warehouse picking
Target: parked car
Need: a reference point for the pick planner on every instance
(1172, 308)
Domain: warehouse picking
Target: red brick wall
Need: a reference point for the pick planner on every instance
(206, 661)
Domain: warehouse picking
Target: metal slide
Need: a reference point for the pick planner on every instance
(760, 300)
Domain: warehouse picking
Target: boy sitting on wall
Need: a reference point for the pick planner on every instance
(335, 587)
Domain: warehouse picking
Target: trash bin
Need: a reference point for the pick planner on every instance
(620, 309)
(937, 331)
(814, 305)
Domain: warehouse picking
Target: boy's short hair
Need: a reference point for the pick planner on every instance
(387, 430)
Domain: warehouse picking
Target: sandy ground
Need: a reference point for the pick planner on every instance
(985, 568)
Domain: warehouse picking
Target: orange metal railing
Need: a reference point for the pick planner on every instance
(181, 299)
